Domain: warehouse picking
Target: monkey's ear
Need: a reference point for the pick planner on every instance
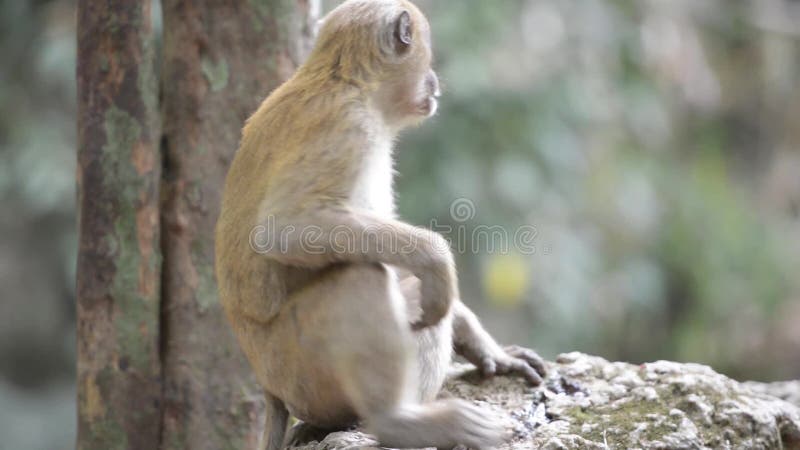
(402, 33)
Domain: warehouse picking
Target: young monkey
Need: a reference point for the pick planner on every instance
(344, 312)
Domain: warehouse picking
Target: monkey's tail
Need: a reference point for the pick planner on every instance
(277, 417)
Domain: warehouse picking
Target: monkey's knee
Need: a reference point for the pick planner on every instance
(364, 279)
(369, 339)
(366, 294)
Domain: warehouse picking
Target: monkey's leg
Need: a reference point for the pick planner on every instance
(275, 425)
(348, 349)
(381, 378)
(433, 345)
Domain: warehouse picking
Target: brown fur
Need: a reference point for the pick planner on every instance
(328, 332)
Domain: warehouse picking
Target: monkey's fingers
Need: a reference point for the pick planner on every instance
(487, 367)
(519, 367)
(529, 356)
(422, 324)
(432, 314)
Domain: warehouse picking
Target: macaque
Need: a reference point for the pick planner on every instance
(347, 314)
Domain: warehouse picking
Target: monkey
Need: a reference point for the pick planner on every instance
(337, 333)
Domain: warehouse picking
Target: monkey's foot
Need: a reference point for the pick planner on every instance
(442, 424)
(512, 360)
(303, 434)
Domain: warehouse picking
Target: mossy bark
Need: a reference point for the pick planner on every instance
(221, 58)
(157, 364)
(119, 267)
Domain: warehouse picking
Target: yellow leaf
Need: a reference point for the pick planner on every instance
(505, 279)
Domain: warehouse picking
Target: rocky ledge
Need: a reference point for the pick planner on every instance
(587, 402)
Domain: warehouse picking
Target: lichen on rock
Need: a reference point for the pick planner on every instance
(587, 402)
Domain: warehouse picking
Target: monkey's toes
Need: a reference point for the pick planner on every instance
(530, 357)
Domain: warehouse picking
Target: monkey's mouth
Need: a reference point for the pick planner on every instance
(431, 105)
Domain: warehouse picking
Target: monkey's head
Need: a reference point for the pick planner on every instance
(384, 47)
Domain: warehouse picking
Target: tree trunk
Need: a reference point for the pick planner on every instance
(157, 364)
(221, 58)
(119, 386)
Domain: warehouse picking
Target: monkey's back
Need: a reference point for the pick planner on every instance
(296, 154)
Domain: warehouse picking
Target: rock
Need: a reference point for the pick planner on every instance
(784, 390)
(587, 402)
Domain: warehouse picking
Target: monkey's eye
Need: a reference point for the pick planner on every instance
(402, 33)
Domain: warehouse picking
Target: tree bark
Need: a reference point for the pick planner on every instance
(119, 263)
(221, 58)
(158, 367)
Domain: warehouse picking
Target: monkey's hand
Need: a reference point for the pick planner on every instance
(478, 347)
(438, 284)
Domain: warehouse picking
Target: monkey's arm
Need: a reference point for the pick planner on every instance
(474, 343)
(344, 235)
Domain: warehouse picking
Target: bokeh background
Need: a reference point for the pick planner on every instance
(653, 145)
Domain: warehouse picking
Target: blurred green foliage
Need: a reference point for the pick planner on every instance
(648, 143)
(38, 225)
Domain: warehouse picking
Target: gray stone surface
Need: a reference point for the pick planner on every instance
(784, 390)
(587, 402)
